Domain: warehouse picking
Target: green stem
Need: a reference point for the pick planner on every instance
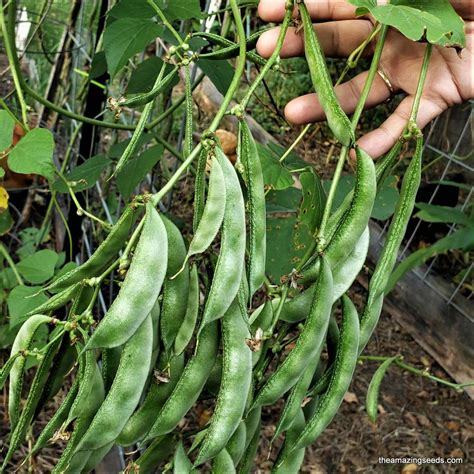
(295, 143)
(10, 49)
(165, 21)
(11, 263)
(273, 58)
(421, 84)
(355, 120)
(415, 371)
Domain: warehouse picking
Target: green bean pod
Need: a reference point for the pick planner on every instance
(308, 345)
(34, 394)
(143, 99)
(229, 267)
(252, 441)
(344, 367)
(396, 232)
(337, 119)
(236, 380)
(57, 419)
(102, 257)
(236, 445)
(223, 463)
(140, 289)
(248, 156)
(295, 399)
(93, 459)
(186, 330)
(181, 462)
(219, 40)
(22, 342)
(289, 461)
(371, 402)
(175, 287)
(200, 187)
(55, 302)
(190, 384)
(7, 367)
(156, 452)
(124, 394)
(89, 398)
(332, 339)
(213, 212)
(354, 222)
(140, 423)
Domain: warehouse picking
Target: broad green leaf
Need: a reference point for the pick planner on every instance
(275, 174)
(39, 267)
(7, 336)
(462, 239)
(99, 65)
(292, 161)
(314, 200)
(7, 125)
(6, 222)
(131, 9)
(344, 187)
(416, 19)
(126, 37)
(116, 150)
(219, 72)
(69, 266)
(386, 199)
(182, 10)
(433, 213)
(34, 154)
(136, 169)
(22, 300)
(84, 175)
(29, 238)
(144, 76)
(284, 201)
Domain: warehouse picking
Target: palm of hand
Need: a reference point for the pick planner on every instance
(449, 80)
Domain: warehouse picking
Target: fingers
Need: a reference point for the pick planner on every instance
(274, 10)
(307, 109)
(379, 141)
(338, 39)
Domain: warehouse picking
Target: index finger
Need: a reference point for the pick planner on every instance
(274, 10)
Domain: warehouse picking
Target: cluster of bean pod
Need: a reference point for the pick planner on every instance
(183, 327)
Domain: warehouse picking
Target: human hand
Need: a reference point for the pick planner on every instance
(449, 81)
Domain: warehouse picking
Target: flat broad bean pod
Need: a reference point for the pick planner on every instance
(337, 119)
(190, 384)
(247, 156)
(140, 288)
(124, 394)
(236, 380)
(156, 452)
(230, 263)
(236, 445)
(396, 232)
(181, 461)
(175, 287)
(344, 367)
(223, 463)
(102, 257)
(308, 345)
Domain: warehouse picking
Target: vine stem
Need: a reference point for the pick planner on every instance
(10, 49)
(165, 21)
(420, 86)
(345, 150)
(11, 263)
(273, 58)
(420, 372)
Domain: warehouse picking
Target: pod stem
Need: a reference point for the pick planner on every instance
(420, 372)
(165, 21)
(420, 86)
(345, 150)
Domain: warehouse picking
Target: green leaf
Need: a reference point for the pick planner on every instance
(85, 175)
(7, 125)
(433, 213)
(344, 187)
(6, 222)
(219, 72)
(437, 20)
(182, 10)
(99, 65)
(34, 154)
(29, 238)
(292, 161)
(275, 174)
(22, 300)
(116, 150)
(144, 76)
(136, 169)
(286, 200)
(126, 37)
(462, 239)
(386, 199)
(314, 200)
(131, 9)
(39, 267)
